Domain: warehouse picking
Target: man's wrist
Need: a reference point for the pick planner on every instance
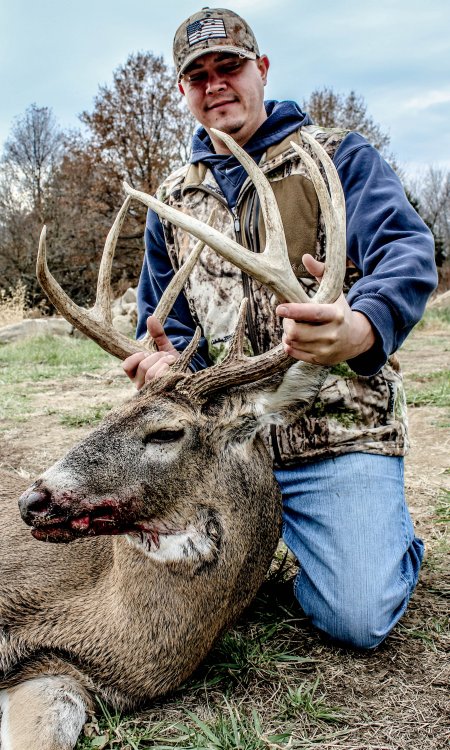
(363, 335)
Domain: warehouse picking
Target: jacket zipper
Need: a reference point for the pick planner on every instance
(238, 233)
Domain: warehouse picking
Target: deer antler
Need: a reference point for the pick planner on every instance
(97, 322)
(272, 267)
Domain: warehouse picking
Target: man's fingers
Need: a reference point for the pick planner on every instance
(306, 312)
(159, 368)
(156, 331)
(130, 364)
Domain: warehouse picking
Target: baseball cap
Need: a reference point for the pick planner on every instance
(212, 30)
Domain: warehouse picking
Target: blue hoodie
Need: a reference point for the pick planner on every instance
(386, 240)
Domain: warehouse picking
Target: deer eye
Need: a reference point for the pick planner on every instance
(163, 436)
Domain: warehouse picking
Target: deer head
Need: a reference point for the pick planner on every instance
(170, 467)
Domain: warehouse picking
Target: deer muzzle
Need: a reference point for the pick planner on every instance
(65, 517)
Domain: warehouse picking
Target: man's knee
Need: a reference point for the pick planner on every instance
(359, 627)
(357, 616)
(355, 623)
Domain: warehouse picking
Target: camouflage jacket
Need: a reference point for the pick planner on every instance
(352, 412)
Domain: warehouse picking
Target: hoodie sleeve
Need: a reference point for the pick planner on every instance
(156, 274)
(390, 244)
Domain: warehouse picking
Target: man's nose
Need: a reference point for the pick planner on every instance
(215, 83)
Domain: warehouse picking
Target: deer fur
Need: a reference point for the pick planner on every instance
(130, 616)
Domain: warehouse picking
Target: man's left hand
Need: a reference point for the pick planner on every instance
(324, 334)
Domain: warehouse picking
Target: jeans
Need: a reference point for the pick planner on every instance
(346, 521)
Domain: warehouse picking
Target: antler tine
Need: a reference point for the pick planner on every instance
(236, 348)
(97, 322)
(270, 271)
(175, 286)
(237, 368)
(275, 238)
(240, 369)
(103, 334)
(182, 363)
(102, 307)
(332, 204)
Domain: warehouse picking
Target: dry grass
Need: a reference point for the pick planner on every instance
(12, 304)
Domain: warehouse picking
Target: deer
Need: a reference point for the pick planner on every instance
(160, 524)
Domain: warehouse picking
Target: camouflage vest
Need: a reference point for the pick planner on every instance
(351, 413)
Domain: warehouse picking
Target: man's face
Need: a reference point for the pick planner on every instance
(226, 91)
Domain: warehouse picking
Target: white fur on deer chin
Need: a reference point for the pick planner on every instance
(4, 729)
(189, 545)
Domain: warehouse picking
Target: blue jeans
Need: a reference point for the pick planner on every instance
(346, 521)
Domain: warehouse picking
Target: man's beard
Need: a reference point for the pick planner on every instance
(233, 127)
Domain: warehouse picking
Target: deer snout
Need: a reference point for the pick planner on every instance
(34, 503)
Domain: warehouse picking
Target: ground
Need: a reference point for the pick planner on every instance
(272, 682)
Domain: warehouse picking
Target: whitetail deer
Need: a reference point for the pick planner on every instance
(170, 504)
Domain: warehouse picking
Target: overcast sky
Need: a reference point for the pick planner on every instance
(395, 54)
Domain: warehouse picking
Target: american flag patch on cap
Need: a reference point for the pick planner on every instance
(206, 28)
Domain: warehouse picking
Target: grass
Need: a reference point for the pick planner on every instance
(15, 404)
(272, 682)
(228, 725)
(434, 316)
(230, 730)
(432, 389)
(48, 358)
(306, 700)
(25, 364)
(90, 417)
(442, 509)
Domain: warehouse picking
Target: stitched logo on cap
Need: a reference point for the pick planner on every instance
(206, 28)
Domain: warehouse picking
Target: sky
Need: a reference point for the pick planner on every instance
(395, 54)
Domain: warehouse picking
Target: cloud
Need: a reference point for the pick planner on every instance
(428, 99)
(258, 6)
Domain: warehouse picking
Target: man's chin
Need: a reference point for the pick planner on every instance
(230, 127)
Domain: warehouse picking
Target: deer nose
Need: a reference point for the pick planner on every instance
(34, 503)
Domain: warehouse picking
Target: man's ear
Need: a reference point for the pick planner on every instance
(180, 88)
(263, 64)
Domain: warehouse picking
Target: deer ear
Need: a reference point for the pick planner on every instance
(296, 393)
(281, 404)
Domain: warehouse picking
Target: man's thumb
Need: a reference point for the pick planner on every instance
(313, 266)
(156, 331)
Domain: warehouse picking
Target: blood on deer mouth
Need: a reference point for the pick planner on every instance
(93, 522)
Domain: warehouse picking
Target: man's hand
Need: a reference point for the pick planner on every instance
(141, 367)
(324, 334)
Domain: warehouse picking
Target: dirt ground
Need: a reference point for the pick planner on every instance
(394, 699)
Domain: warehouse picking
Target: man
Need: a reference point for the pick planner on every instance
(340, 468)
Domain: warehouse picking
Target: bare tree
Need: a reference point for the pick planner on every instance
(329, 109)
(31, 153)
(431, 190)
(138, 130)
